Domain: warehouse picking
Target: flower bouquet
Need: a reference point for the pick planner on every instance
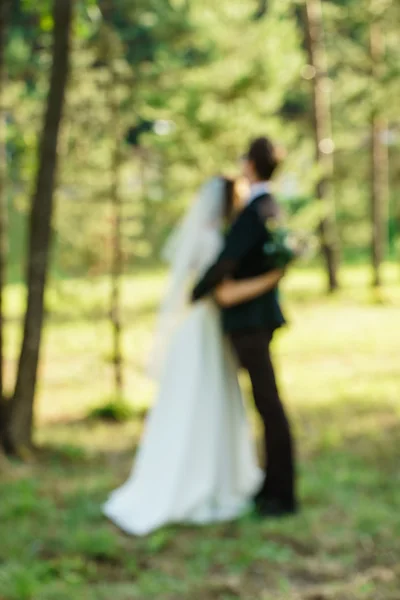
(284, 247)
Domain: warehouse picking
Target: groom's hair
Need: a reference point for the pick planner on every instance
(263, 154)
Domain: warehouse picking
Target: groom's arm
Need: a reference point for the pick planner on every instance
(244, 235)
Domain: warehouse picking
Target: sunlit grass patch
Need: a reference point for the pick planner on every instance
(338, 370)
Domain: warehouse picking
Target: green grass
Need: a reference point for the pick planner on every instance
(338, 365)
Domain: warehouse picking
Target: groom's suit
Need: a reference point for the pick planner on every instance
(250, 327)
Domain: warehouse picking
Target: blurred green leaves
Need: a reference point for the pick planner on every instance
(221, 77)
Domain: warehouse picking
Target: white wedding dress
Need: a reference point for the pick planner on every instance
(196, 462)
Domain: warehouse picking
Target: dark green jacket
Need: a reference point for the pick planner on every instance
(243, 257)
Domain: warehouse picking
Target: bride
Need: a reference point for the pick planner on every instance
(196, 462)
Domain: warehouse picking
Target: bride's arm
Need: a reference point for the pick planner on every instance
(232, 292)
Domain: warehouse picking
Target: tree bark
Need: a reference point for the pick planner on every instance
(321, 116)
(262, 9)
(5, 7)
(379, 162)
(117, 260)
(20, 425)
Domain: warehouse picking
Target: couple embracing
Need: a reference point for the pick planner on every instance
(197, 461)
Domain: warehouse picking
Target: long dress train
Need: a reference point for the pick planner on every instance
(196, 462)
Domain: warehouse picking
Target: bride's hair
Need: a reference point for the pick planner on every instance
(230, 198)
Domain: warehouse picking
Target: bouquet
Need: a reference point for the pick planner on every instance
(284, 247)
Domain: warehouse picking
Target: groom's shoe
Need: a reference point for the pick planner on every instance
(273, 509)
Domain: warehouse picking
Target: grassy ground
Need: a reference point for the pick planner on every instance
(339, 372)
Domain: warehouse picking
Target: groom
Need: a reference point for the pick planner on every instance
(251, 325)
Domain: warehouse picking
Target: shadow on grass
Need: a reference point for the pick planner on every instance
(347, 533)
(354, 427)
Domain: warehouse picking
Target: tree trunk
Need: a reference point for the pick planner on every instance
(262, 9)
(321, 115)
(5, 6)
(117, 261)
(19, 429)
(379, 162)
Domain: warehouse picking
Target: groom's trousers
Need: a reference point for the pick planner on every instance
(253, 351)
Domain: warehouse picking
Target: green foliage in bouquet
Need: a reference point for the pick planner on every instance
(296, 239)
(283, 248)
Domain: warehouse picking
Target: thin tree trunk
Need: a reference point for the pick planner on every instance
(117, 261)
(379, 162)
(5, 6)
(262, 9)
(321, 115)
(20, 425)
(148, 215)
